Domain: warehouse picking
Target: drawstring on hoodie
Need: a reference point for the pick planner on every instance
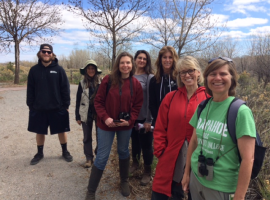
(160, 90)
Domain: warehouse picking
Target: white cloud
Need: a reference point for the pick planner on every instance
(259, 30)
(74, 36)
(219, 18)
(247, 6)
(241, 2)
(71, 21)
(234, 34)
(246, 22)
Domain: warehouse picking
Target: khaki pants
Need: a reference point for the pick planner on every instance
(199, 192)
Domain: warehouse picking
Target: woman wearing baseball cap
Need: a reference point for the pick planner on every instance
(85, 111)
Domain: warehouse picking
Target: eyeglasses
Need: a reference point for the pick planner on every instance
(190, 72)
(44, 52)
(222, 58)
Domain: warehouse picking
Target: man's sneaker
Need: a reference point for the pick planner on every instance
(67, 156)
(36, 159)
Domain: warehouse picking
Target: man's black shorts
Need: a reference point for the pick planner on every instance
(58, 121)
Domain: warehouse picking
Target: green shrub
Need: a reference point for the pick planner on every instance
(244, 79)
(10, 66)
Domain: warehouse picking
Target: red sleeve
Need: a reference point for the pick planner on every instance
(160, 131)
(100, 99)
(137, 101)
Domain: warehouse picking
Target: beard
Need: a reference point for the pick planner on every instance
(46, 60)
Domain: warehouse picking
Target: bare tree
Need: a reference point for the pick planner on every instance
(197, 29)
(112, 22)
(260, 51)
(26, 21)
(225, 46)
(105, 50)
(77, 58)
(162, 23)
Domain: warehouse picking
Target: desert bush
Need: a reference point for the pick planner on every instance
(258, 99)
(74, 76)
(11, 67)
(244, 80)
(6, 74)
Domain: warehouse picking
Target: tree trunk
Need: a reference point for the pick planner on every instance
(17, 63)
(114, 48)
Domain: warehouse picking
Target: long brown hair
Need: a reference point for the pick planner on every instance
(115, 75)
(158, 63)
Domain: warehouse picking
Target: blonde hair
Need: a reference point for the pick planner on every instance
(185, 63)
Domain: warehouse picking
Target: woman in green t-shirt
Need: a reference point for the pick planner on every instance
(212, 169)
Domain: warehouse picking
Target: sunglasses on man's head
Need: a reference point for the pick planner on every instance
(222, 58)
(44, 52)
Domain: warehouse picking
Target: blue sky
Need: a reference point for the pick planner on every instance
(243, 18)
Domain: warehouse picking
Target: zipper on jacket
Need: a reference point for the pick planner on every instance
(186, 108)
(188, 103)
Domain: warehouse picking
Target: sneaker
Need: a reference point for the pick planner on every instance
(88, 164)
(36, 159)
(67, 156)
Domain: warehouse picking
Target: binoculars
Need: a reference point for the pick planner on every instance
(205, 167)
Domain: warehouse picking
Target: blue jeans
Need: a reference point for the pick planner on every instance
(105, 140)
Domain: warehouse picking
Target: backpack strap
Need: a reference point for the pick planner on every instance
(231, 117)
(202, 106)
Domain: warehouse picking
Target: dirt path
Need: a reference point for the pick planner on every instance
(52, 178)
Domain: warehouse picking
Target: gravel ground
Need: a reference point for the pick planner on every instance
(53, 178)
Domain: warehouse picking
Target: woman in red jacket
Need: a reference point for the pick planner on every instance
(117, 103)
(173, 131)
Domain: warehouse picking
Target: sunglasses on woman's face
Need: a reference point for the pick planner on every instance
(222, 58)
(44, 52)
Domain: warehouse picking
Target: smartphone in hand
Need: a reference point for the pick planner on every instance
(117, 121)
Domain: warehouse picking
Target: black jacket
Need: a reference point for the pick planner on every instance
(48, 87)
(157, 92)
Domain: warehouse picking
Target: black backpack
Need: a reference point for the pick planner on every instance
(231, 118)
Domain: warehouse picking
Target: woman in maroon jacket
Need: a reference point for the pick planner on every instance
(173, 131)
(117, 103)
